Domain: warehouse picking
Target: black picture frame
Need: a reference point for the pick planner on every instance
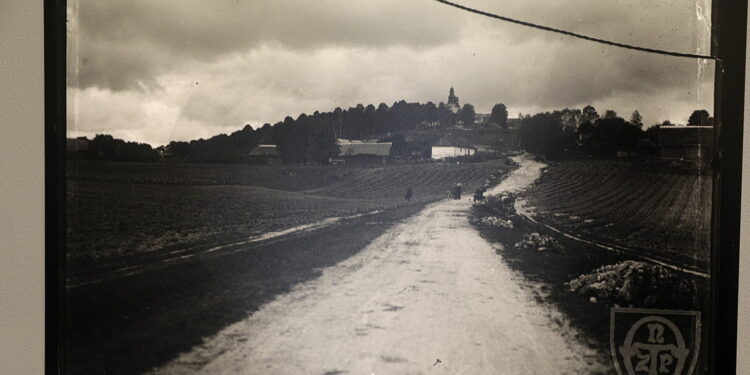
(55, 36)
(728, 41)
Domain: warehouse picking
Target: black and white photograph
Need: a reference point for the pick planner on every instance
(389, 187)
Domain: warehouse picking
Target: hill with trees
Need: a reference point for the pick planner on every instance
(312, 138)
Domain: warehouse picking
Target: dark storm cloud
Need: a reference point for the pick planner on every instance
(127, 44)
(124, 42)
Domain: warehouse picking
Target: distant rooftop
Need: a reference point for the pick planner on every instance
(349, 147)
(264, 150)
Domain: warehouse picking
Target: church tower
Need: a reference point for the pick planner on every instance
(453, 101)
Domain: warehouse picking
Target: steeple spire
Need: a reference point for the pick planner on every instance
(453, 101)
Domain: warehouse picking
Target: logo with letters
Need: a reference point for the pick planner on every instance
(654, 342)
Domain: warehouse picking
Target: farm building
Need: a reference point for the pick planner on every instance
(452, 146)
(349, 147)
(365, 151)
(690, 144)
(482, 118)
(263, 154)
(165, 152)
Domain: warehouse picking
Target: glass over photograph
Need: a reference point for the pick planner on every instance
(388, 187)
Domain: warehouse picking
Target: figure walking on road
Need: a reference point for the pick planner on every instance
(408, 194)
(457, 191)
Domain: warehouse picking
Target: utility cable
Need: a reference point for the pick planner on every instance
(569, 33)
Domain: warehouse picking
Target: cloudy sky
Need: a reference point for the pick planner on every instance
(160, 70)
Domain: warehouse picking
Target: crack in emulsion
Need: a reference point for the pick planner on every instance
(703, 31)
(703, 34)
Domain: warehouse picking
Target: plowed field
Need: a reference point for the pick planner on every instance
(120, 210)
(662, 212)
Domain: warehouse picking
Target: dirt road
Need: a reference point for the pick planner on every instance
(428, 296)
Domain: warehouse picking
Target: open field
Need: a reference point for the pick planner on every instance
(136, 215)
(660, 212)
(125, 210)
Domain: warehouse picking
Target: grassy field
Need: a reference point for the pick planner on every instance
(656, 211)
(125, 210)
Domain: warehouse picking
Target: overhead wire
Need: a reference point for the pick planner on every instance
(576, 35)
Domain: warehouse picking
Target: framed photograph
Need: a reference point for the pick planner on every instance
(389, 187)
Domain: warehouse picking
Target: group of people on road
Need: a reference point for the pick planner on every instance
(453, 193)
(479, 194)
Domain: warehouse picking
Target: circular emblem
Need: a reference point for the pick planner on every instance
(654, 345)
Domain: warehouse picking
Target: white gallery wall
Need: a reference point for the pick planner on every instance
(21, 187)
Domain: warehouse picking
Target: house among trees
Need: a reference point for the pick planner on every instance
(263, 154)
(452, 146)
(368, 150)
(165, 152)
(689, 145)
(482, 118)
(513, 123)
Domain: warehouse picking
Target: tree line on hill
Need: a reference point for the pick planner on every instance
(554, 133)
(308, 138)
(312, 138)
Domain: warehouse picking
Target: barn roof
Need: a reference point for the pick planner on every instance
(353, 148)
(264, 150)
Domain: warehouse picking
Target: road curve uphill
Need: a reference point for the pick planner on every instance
(428, 296)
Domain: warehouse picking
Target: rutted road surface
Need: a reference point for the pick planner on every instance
(428, 296)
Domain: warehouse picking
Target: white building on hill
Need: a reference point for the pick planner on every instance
(452, 146)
